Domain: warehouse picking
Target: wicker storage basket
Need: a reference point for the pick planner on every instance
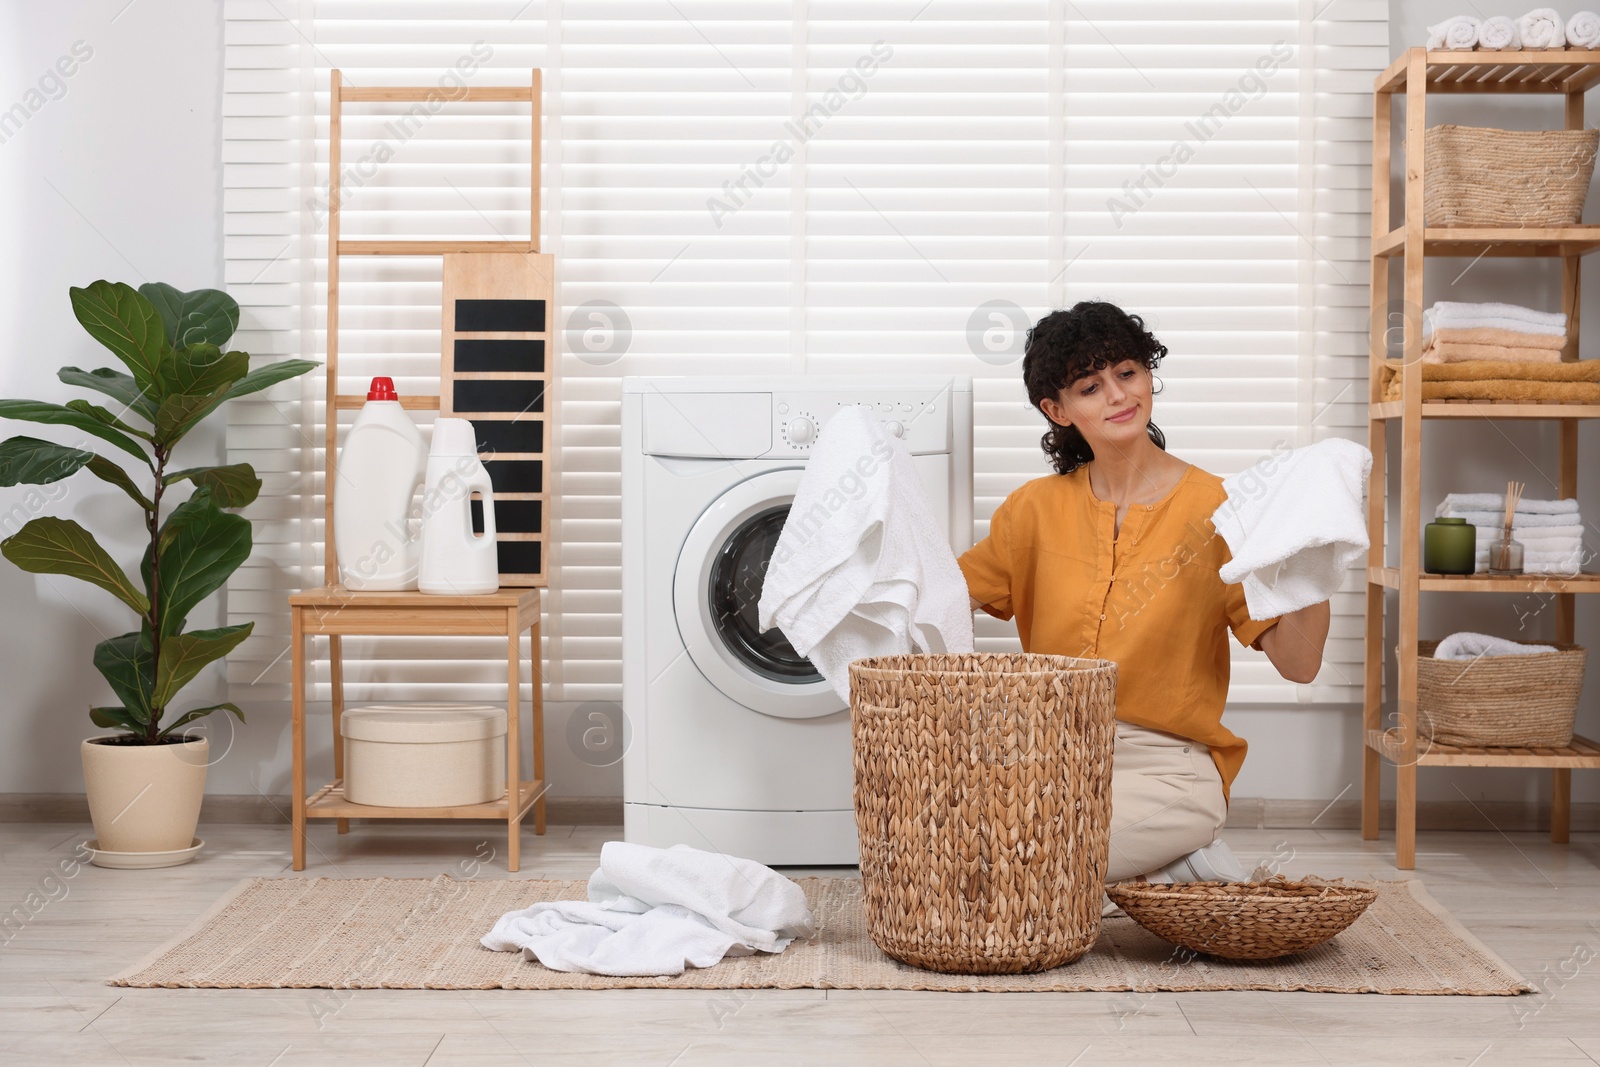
(1244, 920)
(1526, 701)
(1478, 176)
(983, 806)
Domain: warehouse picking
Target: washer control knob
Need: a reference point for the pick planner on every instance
(895, 427)
(802, 431)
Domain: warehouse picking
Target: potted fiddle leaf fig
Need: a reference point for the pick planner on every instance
(146, 780)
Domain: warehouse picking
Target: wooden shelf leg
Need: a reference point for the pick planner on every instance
(1405, 817)
(1560, 804)
(336, 676)
(297, 742)
(538, 724)
(1377, 483)
(513, 742)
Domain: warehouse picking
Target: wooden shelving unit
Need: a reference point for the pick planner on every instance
(1416, 74)
(336, 612)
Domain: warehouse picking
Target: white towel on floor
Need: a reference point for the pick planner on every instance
(1583, 30)
(1543, 27)
(1468, 645)
(1294, 524)
(657, 911)
(1458, 315)
(863, 567)
(1459, 502)
(1457, 32)
(1498, 33)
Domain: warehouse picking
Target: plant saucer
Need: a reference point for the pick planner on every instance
(139, 861)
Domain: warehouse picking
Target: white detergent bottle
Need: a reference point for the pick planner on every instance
(455, 561)
(380, 470)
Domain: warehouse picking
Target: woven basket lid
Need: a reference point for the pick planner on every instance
(423, 724)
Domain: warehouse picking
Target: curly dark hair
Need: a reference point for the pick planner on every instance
(1065, 346)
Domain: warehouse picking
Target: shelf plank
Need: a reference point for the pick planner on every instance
(429, 248)
(1529, 71)
(329, 803)
(1582, 753)
(477, 94)
(1495, 241)
(1485, 409)
(1389, 578)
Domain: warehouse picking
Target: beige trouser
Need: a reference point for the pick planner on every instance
(1166, 800)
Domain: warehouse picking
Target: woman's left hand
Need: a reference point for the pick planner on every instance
(1295, 644)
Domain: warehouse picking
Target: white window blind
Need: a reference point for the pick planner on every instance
(817, 187)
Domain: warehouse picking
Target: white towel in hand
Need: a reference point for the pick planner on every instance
(1543, 27)
(1499, 34)
(1458, 315)
(862, 567)
(1294, 524)
(1583, 30)
(1455, 503)
(1468, 645)
(1457, 32)
(657, 911)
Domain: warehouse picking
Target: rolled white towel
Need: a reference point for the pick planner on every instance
(1469, 645)
(1457, 32)
(1583, 30)
(1543, 27)
(1498, 33)
(1497, 502)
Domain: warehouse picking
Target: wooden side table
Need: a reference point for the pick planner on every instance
(335, 611)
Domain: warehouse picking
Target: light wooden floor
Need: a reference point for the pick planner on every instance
(1534, 903)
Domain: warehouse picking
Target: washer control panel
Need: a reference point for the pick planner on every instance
(920, 418)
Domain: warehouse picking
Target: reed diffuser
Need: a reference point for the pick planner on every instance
(1505, 553)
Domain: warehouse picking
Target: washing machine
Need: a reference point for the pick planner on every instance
(736, 744)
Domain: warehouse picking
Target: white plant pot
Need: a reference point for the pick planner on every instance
(145, 798)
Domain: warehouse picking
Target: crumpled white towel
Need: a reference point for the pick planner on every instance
(1499, 34)
(1459, 315)
(1583, 30)
(1294, 524)
(1468, 645)
(1543, 27)
(657, 911)
(862, 567)
(1458, 502)
(1456, 32)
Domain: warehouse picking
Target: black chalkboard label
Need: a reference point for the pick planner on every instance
(499, 316)
(519, 557)
(510, 436)
(486, 354)
(516, 475)
(510, 516)
(474, 394)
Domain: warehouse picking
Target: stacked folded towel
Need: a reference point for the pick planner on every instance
(1542, 27)
(1576, 382)
(1550, 531)
(1453, 331)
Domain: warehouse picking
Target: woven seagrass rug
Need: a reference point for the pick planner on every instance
(418, 933)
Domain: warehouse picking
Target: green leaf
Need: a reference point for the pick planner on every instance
(183, 656)
(126, 663)
(48, 545)
(115, 719)
(116, 385)
(30, 461)
(232, 486)
(205, 368)
(105, 418)
(181, 412)
(204, 316)
(199, 713)
(112, 473)
(271, 374)
(56, 415)
(200, 546)
(127, 323)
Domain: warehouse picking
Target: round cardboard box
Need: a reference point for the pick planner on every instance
(424, 755)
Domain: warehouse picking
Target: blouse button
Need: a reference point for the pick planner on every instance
(1102, 618)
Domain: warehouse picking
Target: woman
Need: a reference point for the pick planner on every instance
(1114, 557)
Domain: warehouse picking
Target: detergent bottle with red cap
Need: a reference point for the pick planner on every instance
(380, 470)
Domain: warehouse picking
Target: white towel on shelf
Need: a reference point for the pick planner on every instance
(1543, 27)
(1455, 502)
(1457, 315)
(1520, 521)
(1457, 32)
(1498, 33)
(1532, 538)
(863, 567)
(1583, 30)
(1468, 645)
(1294, 524)
(658, 911)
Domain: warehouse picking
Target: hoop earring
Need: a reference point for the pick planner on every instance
(1159, 384)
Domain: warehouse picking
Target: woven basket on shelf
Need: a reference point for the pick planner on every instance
(1479, 176)
(1527, 701)
(983, 806)
(1244, 920)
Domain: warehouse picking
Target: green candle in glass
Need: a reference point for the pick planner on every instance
(1449, 546)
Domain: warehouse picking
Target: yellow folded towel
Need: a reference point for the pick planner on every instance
(1456, 352)
(1576, 382)
(1486, 335)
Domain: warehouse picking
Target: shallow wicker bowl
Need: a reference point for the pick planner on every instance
(1243, 920)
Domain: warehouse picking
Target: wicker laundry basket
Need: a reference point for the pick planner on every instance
(1244, 920)
(1479, 176)
(983, 806)
(1525, 700)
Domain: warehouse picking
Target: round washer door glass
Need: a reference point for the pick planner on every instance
(735, 590)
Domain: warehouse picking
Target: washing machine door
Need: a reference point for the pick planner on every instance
(716, 588)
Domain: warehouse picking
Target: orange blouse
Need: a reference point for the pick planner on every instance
(1147, 598)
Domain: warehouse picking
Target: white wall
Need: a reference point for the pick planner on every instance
(132, 151)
